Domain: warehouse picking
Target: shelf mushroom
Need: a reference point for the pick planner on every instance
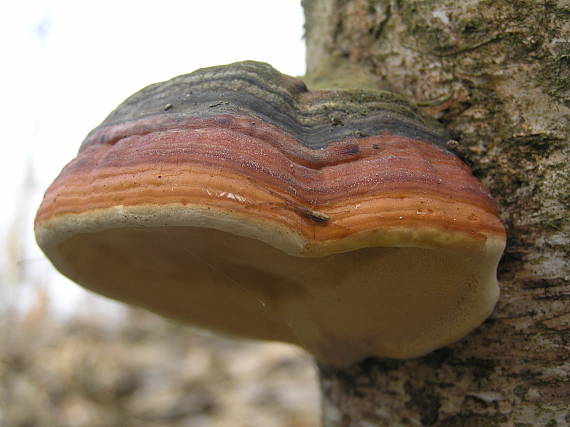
(235, 199)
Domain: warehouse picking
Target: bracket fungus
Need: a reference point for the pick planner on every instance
(237, 200)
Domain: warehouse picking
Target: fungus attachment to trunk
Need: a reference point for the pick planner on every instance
(235, 199)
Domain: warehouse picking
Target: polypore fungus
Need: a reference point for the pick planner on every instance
(235, 199)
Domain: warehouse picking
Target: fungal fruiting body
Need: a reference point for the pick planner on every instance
(245, 208)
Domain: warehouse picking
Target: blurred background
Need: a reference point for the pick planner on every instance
(70, 358)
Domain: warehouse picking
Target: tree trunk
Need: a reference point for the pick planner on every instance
(497, 74)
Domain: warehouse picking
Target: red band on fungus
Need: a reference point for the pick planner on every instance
(245, 165)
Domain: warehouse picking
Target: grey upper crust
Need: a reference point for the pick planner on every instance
(256, 89)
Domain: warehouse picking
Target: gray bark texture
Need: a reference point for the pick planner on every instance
(497, 74)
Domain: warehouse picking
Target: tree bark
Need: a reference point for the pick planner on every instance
(497, 74)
